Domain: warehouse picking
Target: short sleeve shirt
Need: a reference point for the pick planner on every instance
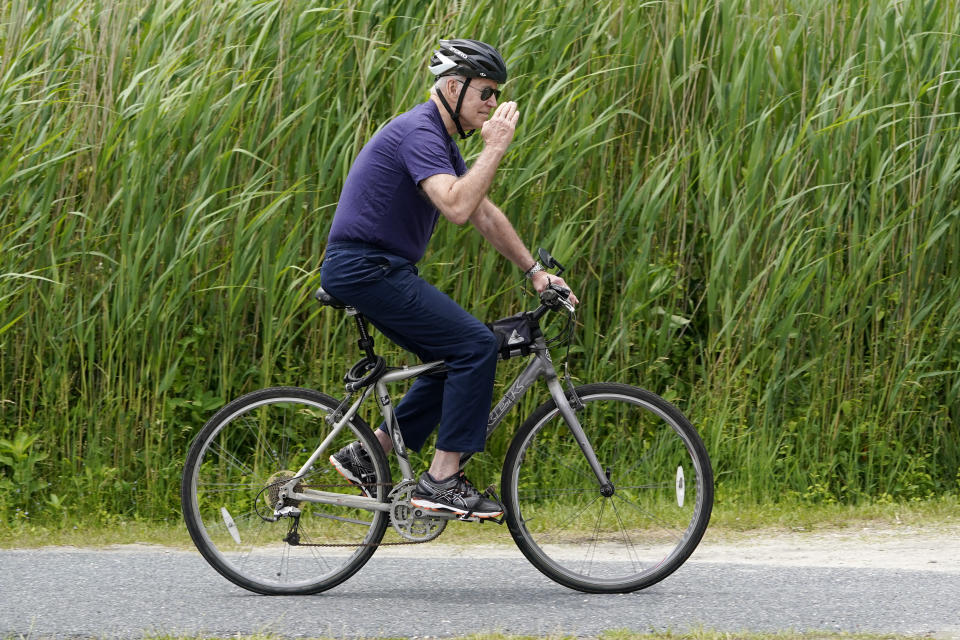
(382, 203)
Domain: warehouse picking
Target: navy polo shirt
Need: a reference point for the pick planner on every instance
(382, 203)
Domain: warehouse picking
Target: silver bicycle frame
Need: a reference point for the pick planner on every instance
(540, 366)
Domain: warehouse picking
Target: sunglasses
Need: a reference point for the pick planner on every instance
(485, 93)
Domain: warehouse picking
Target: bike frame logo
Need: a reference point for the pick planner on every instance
(506, 402)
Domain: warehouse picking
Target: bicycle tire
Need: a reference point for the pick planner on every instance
(625, 542)
(240, 455)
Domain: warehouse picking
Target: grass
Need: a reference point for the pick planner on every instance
(932, 514)
(758, 204)
(727, 522)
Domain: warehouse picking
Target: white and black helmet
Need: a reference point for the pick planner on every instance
(468, 58)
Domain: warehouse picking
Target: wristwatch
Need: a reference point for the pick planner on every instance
(537, 267)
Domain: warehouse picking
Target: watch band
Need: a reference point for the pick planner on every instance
(537, 267)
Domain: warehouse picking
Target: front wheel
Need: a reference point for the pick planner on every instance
(644, 531)
(231, 494)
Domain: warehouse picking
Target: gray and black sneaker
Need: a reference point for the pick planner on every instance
(354, 463)
(455, 494)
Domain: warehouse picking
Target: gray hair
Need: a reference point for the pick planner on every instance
(437, 86)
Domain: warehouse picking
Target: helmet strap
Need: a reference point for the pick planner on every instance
(455, 115)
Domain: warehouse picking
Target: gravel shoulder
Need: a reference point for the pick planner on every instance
(881, 547)
(906, 547)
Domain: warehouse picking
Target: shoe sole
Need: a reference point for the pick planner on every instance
(349, 477)
(436, 506)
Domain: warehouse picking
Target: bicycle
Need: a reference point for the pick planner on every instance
(611, 515)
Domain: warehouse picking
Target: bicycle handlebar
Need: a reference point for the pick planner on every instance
(554, 297)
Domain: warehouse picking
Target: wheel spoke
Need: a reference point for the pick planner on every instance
(228, 487)
(556, 459)
(231, 459)
(658, 485)
(552, 491)
(315, 553)
(664, 525)
(284, 571)
(628, 543)
(642, 460)
(257, 433)
(592, 548)
(563, 525)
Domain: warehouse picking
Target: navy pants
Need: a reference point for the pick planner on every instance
(388, 291)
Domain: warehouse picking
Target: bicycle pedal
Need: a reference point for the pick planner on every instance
(464, 518)
(492, 493)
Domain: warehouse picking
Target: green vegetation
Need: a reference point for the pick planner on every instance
(758, 203)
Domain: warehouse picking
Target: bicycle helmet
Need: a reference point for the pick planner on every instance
(470, 59)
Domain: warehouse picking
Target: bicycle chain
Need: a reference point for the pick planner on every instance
(360, 544)
(349, 544)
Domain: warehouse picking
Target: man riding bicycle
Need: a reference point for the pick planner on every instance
(404, 178)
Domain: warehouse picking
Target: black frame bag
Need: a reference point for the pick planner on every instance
(515, 335)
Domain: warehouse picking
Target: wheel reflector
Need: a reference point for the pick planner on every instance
(681, 486)
(231, 525)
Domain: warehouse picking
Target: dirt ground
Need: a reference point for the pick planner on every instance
(880, 547)
(904, 547)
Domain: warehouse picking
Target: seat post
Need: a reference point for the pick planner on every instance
(366, 340)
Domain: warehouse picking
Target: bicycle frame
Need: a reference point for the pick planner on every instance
(540, 366)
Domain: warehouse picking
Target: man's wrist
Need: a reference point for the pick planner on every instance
(536, 268)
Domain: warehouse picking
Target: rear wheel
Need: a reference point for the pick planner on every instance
(231, 490)
(627, 541)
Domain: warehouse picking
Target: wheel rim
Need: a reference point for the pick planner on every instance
(234, 488)
(634, 537)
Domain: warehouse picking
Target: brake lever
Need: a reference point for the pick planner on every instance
(562, 298)
(556, 296)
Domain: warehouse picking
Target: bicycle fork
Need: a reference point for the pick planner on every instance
(573, 423)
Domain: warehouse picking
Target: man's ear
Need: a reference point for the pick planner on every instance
(451, 91)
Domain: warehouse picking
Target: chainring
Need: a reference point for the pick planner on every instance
(404, 519)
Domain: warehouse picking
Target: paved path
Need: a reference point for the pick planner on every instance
(443, 591)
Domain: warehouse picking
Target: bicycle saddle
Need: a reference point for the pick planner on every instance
(328, 300)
